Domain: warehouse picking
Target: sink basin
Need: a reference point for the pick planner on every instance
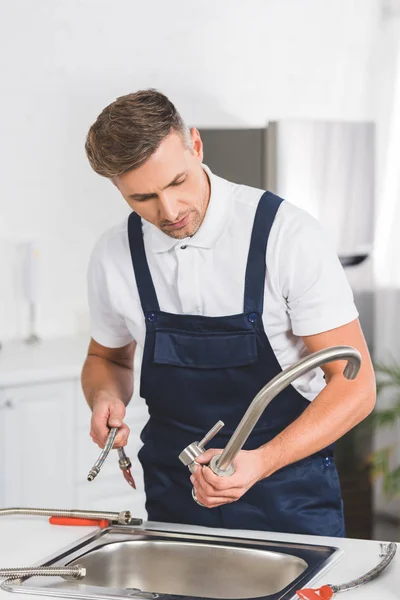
(127, 562)
(179, 568)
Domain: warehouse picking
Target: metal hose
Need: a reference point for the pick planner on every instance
(122, 518)
(77, 572)
(95, 470)
(388, 552)
(124, 462)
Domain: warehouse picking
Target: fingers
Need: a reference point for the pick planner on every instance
(212, 499)
(122, 436)
(204, 478)
(218, 482)
(117, 414)
(212, 490)
(206, 457)
(99, 436)
(105, 415)
(213, 502)
(99, 428)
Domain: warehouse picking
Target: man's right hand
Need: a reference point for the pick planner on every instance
(108, 413)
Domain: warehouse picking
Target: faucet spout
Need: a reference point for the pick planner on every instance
(223, 464)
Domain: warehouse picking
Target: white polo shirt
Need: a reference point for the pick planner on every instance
(306, 290)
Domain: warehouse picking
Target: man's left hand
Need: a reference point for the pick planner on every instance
(213, 490)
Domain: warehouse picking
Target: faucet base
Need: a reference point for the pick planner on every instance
(221, 472)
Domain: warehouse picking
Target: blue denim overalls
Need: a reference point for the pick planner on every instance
(197, 370)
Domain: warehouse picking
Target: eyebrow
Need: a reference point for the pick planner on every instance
(153, 194)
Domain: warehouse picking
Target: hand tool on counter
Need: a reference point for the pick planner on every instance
(327, 591)
(64, 517)
(74, 516)
(124, 462)
(79, 522)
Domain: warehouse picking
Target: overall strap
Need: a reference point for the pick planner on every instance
(256, 262)
(147, 293)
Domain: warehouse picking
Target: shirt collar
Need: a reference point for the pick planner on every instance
(213, 225)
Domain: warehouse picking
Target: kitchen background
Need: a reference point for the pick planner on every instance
(302, 96)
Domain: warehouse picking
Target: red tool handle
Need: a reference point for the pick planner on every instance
(102, 523)
(322, 593)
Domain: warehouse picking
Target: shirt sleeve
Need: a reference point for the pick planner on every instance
(313, 282)
(108, 327)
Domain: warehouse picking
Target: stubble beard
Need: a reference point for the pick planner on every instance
(189, 230)
(192, 227)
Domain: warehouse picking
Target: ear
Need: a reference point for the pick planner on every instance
(197, 143)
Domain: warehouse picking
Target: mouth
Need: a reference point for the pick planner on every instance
(179, 224)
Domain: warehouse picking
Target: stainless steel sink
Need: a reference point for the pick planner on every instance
(128, 562)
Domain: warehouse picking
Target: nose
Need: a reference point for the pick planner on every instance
(168, 209)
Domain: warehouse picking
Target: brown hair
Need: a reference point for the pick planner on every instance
(129, 131)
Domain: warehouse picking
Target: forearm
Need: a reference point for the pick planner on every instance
(340, 406)
(102, 379)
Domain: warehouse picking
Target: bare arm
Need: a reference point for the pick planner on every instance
(340, 406)
(107, 383)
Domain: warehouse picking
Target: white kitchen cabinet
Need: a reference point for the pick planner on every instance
(38, 429)
(46, 451)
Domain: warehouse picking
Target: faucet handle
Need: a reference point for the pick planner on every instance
(191, 452)
(212, 433)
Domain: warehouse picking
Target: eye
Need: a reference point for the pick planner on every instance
(176, 183)
(145, 199)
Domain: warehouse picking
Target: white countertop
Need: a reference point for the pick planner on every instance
(25, 541)
(49, 360)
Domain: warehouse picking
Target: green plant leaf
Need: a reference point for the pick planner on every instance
(387, 377)
(389, 416)
(389, 372)
(379, 461)
(382, 385)
(391, 483)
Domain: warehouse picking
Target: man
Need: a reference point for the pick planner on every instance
(222, 285)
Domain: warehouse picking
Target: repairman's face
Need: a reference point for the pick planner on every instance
(171, 189)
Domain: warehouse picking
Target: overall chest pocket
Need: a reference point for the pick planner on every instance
(205, 350)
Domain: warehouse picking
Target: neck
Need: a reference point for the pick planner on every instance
(207, 193)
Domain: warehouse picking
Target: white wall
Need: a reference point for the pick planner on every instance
(223, 63)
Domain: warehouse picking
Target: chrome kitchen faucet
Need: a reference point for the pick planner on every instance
(223, 464)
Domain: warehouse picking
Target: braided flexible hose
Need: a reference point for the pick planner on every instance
(76, 572)
(123, 518)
